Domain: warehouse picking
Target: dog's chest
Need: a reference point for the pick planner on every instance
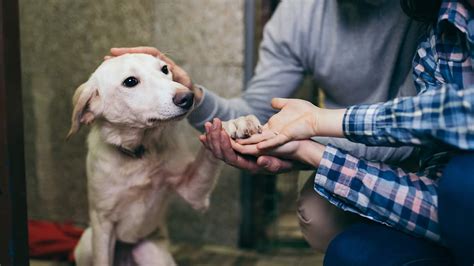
(116, 182)
(140, 212)
(136, 202)
(131, 192)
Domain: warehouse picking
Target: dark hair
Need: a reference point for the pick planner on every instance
(421, 10)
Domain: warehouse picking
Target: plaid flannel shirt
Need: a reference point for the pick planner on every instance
(441, 116)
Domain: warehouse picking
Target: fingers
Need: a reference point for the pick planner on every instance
(142, 50)
(139, 50)
(279, 103)
(277, 140)
(245, 149)
(213, 138)
(203, 140)
(242, 156)
(228, 153)
(269, 163)
(134, 50)
(167, 60)
(179, 75)
(256, 138)
(248, 164)
(274, 165)
(219, 143)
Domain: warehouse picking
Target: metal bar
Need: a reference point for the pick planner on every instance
(249, 39)
(256, 208)
(246, 232)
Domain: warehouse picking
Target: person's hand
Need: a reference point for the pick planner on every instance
(306, 152)
(287, 151)
(296, 120)
(179, 75)
(220, 144)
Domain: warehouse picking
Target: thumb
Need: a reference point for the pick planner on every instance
(273, 164)
(279, 103)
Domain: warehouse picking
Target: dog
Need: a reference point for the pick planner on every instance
(135, 160)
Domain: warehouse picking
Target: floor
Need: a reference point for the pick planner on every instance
(211, 255)
(287, 248)
(186, 255)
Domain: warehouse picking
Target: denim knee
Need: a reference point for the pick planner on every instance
(457, 183)
(456, 207)
(375, 244)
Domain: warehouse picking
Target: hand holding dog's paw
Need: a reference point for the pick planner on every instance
(242, 127)
(179, 74)
(217, 141)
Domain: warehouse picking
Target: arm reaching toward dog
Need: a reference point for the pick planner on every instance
(340, 175)
(297, 120)
(285, 56)
(220, 144)
(179, 74)
(306, 152)
(277, 75)
(393, 123)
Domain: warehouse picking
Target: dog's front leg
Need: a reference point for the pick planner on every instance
(103, 240)
(198, 180)
(200, 176)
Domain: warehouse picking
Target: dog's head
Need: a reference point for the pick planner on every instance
(133, 90)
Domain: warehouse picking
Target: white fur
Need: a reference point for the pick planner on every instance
(128, 196)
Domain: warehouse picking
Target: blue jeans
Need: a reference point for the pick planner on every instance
(374, 244)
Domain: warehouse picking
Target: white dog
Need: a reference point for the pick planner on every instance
(134, 160)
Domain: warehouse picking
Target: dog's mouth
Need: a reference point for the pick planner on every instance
(153, 121)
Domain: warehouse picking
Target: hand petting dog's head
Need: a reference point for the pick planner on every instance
(132, 90)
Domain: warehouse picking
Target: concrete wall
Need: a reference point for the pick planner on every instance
(63, 41)
(206, 38)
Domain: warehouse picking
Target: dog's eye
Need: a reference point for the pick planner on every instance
(165, 70)
(130, 82)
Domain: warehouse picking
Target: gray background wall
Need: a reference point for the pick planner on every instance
(63, 41)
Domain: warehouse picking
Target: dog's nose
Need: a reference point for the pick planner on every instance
(183, 99)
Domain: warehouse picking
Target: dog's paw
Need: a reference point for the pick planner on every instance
(242, 127)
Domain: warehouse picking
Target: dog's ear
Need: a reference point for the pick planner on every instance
(84, 100)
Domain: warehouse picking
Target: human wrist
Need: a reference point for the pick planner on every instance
(329, 122)
(364, 123)
(310, 152)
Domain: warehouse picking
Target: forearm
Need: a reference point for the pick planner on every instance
(310, 153)
(278, 74)
(255, 100)
(211, 106)
(391, 155)
(406, 201)
(442, 116)
(328, 122)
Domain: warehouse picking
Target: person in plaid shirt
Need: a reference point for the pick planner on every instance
(440, 119)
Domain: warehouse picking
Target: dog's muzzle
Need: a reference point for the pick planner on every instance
(184, 99)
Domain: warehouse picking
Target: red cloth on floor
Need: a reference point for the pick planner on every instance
(51, 240)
